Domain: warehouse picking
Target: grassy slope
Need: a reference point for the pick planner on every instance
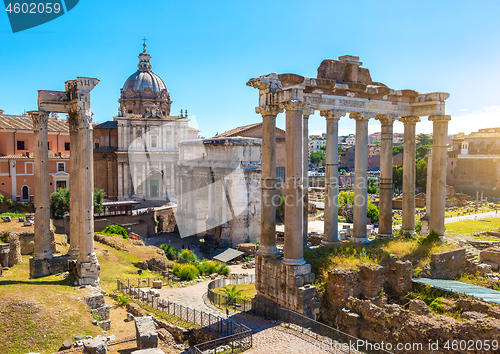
(63, 313)
(470, 226)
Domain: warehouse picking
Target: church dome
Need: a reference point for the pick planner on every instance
(139, 80)
(144, 77)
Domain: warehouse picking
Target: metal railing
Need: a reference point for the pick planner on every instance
(237, 342)
(234, 334)
(338, 340)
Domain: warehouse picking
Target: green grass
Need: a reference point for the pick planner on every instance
(14, 215)
(177, 321)
(248, 290)
(473, 226)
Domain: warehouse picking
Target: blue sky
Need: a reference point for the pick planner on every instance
(206, 51)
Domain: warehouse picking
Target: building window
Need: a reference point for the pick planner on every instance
(60, 167)
(67, 146)
(153, 141)
(20, 145)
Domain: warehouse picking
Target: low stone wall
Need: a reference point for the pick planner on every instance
(491, 254)
(110, 241)
(22, 243)
(448, 265)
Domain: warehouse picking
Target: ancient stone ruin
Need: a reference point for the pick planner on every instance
(75, 101)
(342, 87)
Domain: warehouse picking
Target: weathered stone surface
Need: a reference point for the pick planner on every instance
(177, 332)
(448, 265)
(154, 292)
(484, 269)
(67, 344)
(419, 307)
(130, 317)
(248, 248)
(6, 219)
(491, 254)
(146, 334)
(157, 284)
(472, 315)
(135, 310)
(95, 301)
(105, 325)
(97, 345)
(493, 265)
(42, 268)
(102, 312)
(29, 222)
(149, 351)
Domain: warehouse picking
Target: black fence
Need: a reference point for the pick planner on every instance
(235, 343)
(235, 335)
(329, 336)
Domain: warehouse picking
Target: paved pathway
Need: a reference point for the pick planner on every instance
(458, 287)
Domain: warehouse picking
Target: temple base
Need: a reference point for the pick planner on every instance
(87, 273)
(45, 267)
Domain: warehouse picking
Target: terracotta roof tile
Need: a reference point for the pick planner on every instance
(25, 123)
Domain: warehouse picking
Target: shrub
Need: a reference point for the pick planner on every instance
(115, 230)
(122, 300)
(169, 250)
(185, 271)
(59, 203)
(223, 269)
(372, 212)
(1, 198)
(9, 202)
(24, 204)
(188, 255)
(418, 226)
(430, 238)
(207, 267)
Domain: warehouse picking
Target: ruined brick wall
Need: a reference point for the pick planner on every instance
(448, 265)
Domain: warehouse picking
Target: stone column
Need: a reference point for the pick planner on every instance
(74, 207)
(385, 200)
(438, 183)
(134, 132)
(268, 184)
(42, 186)
(293, 248)
(120, 180)
(136, 180)
(360, 178)
(331, 224)
(409, 174)
(86, 190)
(305, 169)
(126, 180)
(429, 183)
(144, 181)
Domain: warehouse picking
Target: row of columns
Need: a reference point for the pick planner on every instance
(81, 187)
(296, 178)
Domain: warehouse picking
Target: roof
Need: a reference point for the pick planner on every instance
(26, 123)
(227, 255)
(52, 156)
(110, 124)
(120, 203)
(481, 134)
(239, 130)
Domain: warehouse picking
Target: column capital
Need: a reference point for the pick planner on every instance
(359, 116)
(410, 119)
(439, 118)
(73, 121)
(332, 113)
(40, 119)
(84, 118)
(293, 105)
(308, 110)
(384, 119)
(271, 110)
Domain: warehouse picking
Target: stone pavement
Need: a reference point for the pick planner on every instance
(268, 337)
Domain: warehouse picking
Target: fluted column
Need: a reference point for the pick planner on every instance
(126, 180)
(42, 186)
(438, 183)
(134, 143)
(409, 173)
(331, 224)
(385, 200)
(293, 248)
(360, 178)
(268, 184)
(86, 188)
(74, 207)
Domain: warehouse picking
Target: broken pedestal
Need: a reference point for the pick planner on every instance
(42, 268)
(285, 285)
(87, 273)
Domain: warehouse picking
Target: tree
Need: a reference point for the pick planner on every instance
(317, 157)
(323, 148)
(98, 198)
(421, 152)
(424, 139)
(341, 149)
(421, 174)
(397, 149)
(372, 212)
(59, 203)
(397, 176)
(372, 189)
